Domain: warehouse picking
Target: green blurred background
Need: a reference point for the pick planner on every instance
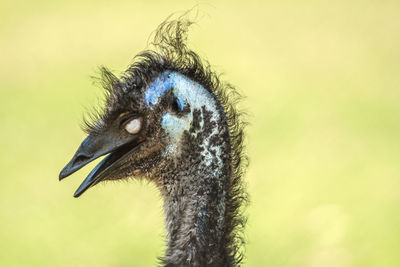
(322, 80)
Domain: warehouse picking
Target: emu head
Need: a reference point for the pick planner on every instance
(165, 108)
(169, 119)
(143, 126)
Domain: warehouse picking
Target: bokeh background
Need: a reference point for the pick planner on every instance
(322, 81)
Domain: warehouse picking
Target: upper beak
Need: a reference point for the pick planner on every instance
(95, 146)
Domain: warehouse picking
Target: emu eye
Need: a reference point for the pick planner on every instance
(177, 105)
(134, 126)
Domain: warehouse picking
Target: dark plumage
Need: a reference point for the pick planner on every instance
(171, 120)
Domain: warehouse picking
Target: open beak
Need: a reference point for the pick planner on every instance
(95, 146)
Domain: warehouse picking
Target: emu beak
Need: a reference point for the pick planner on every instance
(95, 146)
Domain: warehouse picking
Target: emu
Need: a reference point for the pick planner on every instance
(169, 119)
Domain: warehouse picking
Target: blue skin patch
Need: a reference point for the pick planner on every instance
(187, 93)
(179, 104)
(185, 90)
(159, 87)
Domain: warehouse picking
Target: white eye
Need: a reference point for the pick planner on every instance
(134, 126)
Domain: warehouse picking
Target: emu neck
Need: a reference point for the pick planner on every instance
(195, 197)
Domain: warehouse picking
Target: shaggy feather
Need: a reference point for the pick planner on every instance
(170, 52)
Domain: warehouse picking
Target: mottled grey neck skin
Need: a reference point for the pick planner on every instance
(194, 195)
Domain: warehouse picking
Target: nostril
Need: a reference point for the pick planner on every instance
(80, 159)
(77, 162)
